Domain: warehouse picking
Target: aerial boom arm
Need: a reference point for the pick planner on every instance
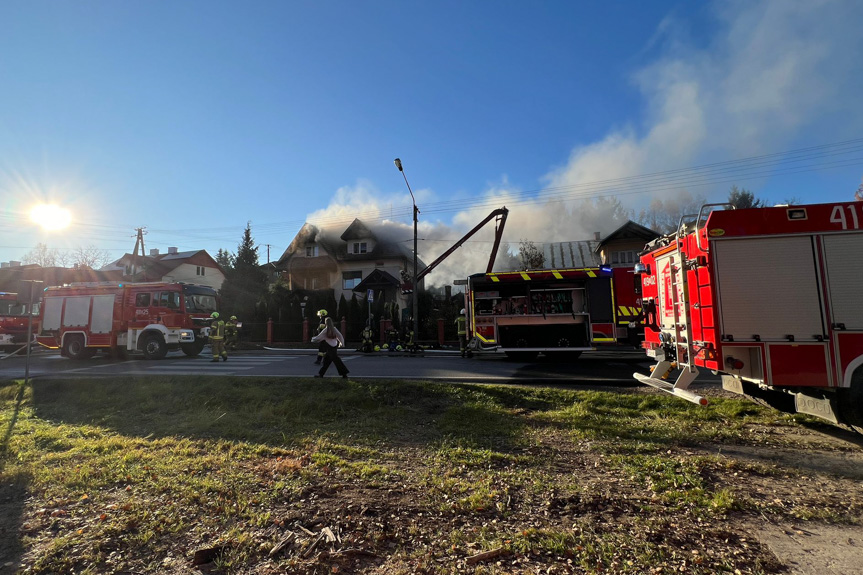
(500, 214)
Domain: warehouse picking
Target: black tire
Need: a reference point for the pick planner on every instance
(851, 403)
(154, 346)
(75, 348)
(193, 349)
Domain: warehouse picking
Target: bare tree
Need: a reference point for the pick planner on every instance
(90, 257)
(531, 256)
(664, 215)
(41, 255)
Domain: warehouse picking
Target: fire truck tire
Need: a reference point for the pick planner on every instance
(154, 347)
(193, 349)
(851, 403)
(74, 348)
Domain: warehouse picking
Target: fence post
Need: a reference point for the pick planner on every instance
(344, 329)
(440, 331)
(385, 325)
(305, 329)
(270, 331)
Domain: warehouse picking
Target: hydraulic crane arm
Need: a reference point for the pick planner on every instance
(500, 214)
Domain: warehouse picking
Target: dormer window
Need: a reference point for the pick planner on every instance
(312, 251)
(360, 247)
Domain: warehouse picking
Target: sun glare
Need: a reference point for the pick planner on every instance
(51, 217)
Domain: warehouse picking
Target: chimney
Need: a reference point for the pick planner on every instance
(597, 236)
(154, 251)
(172, 250)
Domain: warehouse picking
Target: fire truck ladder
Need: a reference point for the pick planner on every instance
(682, 344)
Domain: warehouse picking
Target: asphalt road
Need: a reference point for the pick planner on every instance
(598, 368)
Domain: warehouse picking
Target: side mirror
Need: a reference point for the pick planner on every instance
(640, 268)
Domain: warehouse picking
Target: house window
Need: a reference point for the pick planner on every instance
(627, 257)
(312, 251)
(350, 280)
(199, 270)
(360, 247)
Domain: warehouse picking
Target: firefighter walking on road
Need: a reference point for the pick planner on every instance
(461, 327)
(217, 337)
(322, 346)
(232, 333)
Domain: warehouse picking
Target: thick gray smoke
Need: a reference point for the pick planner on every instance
(768, 71)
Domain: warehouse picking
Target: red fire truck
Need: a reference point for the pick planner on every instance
(150, 318)
(556, 312)
(769, 298)
(14, 317)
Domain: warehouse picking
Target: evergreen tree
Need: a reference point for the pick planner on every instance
(225, 259)
(356, 319)
(245, 283)
(741, 198)
(342, 309)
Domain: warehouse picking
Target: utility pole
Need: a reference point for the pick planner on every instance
(139, 240)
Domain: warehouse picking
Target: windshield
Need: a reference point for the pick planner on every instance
(199, 299)
(200, 303)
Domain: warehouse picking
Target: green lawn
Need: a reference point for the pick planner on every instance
(135, 476)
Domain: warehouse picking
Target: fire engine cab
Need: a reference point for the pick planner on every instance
(14, 317)
(150, 318)
(767, 297)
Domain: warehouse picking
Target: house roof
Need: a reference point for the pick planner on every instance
(378, 279)
(388, 243)
(576, 254)
(155, 267)
(629, 231)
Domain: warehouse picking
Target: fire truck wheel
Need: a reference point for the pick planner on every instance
(851, 402)
(193, 349)
(154, 347)
(74, 348)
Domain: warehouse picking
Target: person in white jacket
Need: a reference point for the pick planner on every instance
(333, 339)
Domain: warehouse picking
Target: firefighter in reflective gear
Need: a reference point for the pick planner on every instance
(232, 333)
(217, 337)
(461, 328)
(392, 338)
(322, 346)
(367, 335)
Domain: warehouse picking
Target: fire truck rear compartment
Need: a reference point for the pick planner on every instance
(552, 336)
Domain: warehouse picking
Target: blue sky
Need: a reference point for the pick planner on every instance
(193, 118)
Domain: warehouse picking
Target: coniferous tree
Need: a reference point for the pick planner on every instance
(245, 283)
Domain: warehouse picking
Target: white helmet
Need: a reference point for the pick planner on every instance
(462, 311)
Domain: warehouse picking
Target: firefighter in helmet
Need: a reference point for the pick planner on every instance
(232, 333)
(322, 346)
(461, 328)
(367, 335)
(217, 337)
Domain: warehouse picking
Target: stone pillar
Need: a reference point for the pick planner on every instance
(440, 330)
(270, 331)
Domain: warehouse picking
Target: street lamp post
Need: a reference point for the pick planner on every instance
(398, 164)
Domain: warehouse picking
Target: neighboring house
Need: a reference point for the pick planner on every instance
(350, 260)
(12, 274)
(622, 246)
(619, 249)
(193, 267)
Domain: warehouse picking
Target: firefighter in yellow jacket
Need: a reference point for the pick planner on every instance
(461, 327)
(232, 333)
(217, 337)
